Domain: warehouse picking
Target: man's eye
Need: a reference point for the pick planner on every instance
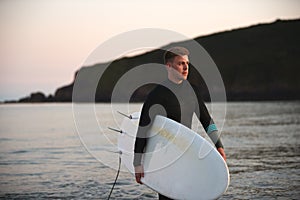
(184, 63)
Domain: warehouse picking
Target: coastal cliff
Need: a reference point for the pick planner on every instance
(259, 62)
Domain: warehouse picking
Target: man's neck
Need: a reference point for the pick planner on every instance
(176, 81)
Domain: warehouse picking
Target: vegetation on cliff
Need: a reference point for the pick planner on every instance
(259, 62)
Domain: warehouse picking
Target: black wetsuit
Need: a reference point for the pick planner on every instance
(177, 102)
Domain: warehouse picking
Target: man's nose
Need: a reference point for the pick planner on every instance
(185, 66)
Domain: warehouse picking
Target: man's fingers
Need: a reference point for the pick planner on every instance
(138, 178)
(224, 157)
(222, 152)
(139, 173)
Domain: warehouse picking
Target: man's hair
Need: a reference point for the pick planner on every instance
(175, 51)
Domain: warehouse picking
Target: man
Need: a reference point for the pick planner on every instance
(177, 100)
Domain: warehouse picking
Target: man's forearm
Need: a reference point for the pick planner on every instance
(137, 161)
(214, 135)
(139, 147)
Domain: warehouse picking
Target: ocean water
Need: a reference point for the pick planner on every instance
(64, 151)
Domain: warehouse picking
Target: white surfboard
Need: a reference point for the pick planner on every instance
(178, 162)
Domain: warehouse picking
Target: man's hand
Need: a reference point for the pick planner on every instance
(222, 152)
(139, 173)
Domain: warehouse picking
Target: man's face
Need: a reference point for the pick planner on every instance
(178, 69)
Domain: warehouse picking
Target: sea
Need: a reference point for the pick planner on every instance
(67, 151)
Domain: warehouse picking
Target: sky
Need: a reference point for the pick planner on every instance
(43, 42)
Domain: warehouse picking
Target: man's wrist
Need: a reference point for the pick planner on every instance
(219, 144)
(137, 160)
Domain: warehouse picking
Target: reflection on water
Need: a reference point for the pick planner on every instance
(41, 155)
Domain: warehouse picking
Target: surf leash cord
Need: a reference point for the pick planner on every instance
(120, 153)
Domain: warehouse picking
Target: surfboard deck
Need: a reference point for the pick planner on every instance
(178, 162)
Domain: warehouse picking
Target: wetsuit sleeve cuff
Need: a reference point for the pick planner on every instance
(219, 144)
(137, 160)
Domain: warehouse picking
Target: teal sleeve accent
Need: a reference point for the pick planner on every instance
(213, 133)
(211, 128)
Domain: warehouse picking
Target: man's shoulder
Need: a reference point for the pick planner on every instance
(157, 90)
(195, 87)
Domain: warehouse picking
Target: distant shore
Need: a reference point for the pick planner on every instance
(256, 63)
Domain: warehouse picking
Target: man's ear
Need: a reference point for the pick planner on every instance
(168, 65)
